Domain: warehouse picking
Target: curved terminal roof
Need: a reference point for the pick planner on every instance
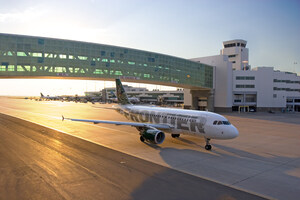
(40, 57)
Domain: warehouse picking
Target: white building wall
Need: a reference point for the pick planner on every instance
(267, 96)
(240, 73)
(279, 101)
(264, 82)
(290, 79)
(291, 83)
(222, 79)
(263, 85)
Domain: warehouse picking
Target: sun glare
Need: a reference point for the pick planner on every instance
(33, 87)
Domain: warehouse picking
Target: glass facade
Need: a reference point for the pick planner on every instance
(45, 57)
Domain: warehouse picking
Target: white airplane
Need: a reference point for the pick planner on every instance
(153, 122)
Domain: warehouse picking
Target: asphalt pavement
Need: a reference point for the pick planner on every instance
(41, 163)
(264, 159)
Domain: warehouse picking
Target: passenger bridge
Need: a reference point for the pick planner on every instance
(39, 57)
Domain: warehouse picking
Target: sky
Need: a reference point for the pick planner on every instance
(182, 28)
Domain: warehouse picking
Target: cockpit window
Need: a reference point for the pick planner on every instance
(221, 123)
(226, 122)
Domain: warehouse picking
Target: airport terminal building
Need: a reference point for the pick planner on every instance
(238, 87)
(222, 82)
(159, 97)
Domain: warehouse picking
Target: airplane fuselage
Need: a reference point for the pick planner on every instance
(189, 122)
(152, 121)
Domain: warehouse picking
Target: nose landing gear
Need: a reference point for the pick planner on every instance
(175, 135)
(207, 146)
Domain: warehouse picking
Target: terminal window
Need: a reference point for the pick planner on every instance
(245, 78)
(245, 86)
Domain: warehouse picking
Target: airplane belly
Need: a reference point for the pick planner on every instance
(176, 131)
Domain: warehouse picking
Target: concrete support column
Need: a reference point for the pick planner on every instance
(104, 96)
(195, 100)
(210, 101)
(192, 96)
(196, 94)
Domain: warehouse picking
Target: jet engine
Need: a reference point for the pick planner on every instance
(153, 135)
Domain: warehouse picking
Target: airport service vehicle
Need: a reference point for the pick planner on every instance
(153, 122)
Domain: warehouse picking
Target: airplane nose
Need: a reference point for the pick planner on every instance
(231, 132)
(234, 132)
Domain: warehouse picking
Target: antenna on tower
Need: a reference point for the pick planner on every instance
(295, 63)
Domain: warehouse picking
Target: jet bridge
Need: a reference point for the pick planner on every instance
(40, 57)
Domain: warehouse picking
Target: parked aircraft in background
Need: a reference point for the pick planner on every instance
(76, 98)
(153, 122)
(52, 98)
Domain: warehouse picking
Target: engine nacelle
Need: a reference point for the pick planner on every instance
(153, 135)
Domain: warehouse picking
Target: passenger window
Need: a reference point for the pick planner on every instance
(215, 122)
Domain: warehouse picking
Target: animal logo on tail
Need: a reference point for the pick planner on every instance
(121, 94)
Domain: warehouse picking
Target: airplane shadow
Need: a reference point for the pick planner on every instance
(189, 142)
(176, 140)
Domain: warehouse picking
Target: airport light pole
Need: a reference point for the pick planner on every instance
(245, 62)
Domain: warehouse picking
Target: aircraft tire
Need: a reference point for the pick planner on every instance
(142, 139)
(208, 147)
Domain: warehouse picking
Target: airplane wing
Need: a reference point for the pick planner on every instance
(108, 108)
(134, 124)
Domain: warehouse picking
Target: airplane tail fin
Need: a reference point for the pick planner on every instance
(42, 95)
(121, 94)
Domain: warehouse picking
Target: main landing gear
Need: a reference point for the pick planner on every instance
(207, 146)
(175, 135)
(142, 139)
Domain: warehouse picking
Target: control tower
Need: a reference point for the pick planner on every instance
(237, 54)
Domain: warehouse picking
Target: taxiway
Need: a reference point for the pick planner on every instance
(263, 160)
